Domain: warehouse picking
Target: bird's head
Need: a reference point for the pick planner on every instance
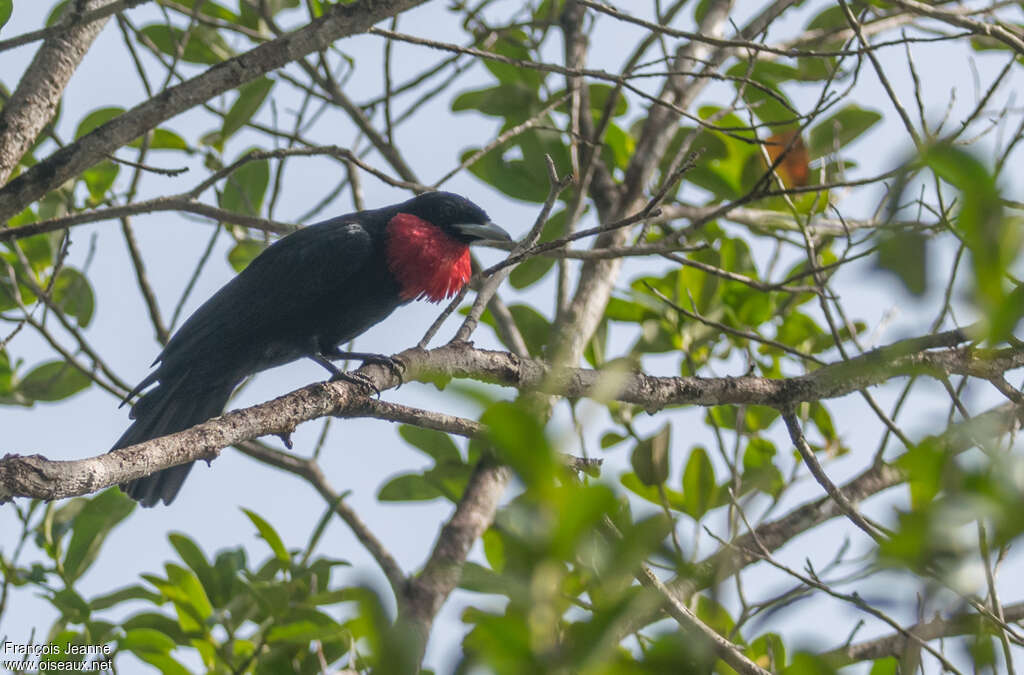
(456, 216)
(428, 244)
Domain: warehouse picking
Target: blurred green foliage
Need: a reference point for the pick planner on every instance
(551, 589)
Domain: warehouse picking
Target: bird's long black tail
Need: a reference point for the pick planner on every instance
(166, 409)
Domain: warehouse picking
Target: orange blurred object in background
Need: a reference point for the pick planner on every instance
(794, 167)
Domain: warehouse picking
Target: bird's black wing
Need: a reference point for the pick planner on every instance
(241, 329)
(257, 319)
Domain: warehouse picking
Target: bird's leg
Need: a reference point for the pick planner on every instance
(395, 365)
(354, 378)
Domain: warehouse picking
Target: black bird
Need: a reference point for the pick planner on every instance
(305, 295)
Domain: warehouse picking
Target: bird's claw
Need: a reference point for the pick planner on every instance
(393, 363)
(358, 379)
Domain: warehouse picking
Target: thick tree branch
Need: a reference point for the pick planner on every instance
(896, 644)
(34, 101)
(36, 476)
(597, 277)
(428, 590)
(68, 22)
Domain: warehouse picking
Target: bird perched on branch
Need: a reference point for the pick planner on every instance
(302, 297)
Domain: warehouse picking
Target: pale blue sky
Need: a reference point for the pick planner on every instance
(363, 454)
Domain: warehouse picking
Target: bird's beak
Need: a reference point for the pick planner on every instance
(482, 232)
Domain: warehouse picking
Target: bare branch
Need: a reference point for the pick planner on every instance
(36, 476)
(340, 21)
(33, 103)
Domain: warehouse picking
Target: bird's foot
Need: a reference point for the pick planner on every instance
(392, 363)
(358, 379)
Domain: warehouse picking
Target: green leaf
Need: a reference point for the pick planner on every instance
(677, 652)
(73, 294)
(767, 101)
(801, 332)
(520, 440)
(244, 252)
(514, 102)
(6, 7)
(715, 615)
(53, 381)
(513, 44)
(620, 146)
(165, 139)
(832, 18)
(99, 178)
(189, 598)
(611, 438)
(203, 44)
(90, 528)
(96, 118)
(72, 607)
(211, 9)
(533, 269)
(494, 549)
(250, 13)
(142, 640)
(534, 327)
(620, 309)
(598, 94)
(823, 420)
(993, 240)
(39, 251)
(582, 509)
(905, 254)
(805, 663)
(450, 478)
(56, 13)
(925, 464)
(888, 665)
(371, 618)
(227, 566)
(840, 129)
(768, 650)
(194, 558)
(245, 188)
(302, 631)
(269, 535)
(409, 487)
(133, 592)
(159, 622)
(759, 471)
(511, 177)
(651, 493)
(164, 664)
(479, 579)
(721, 166)
(700, 491)
(650, 457)
(250, 97)
(6, 374)
(434, 444)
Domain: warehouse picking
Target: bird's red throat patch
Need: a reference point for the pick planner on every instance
(426, 261)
